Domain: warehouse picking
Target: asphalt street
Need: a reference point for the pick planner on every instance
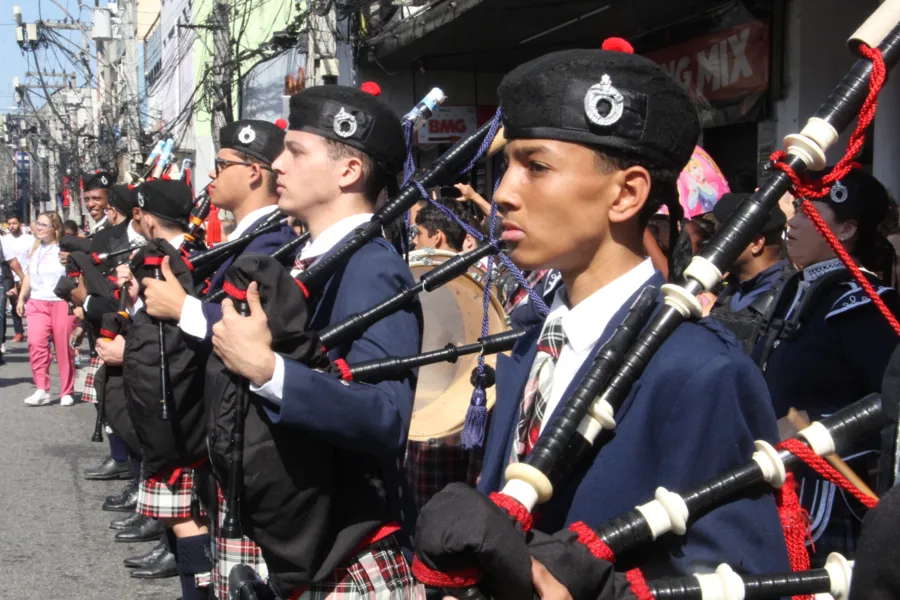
(55, 542)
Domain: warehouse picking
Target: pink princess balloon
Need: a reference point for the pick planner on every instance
(700, 184)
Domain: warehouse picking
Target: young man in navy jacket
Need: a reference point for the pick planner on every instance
(597, 139)
(243, 183)
(341, 149)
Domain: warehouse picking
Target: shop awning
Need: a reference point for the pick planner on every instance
(496, 35)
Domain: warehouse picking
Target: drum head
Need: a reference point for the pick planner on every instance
(453, 315)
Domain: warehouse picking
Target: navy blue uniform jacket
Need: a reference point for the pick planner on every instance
(365, 418)
(692, 415)
(266, 243)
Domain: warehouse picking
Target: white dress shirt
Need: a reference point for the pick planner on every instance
(134, 236)
(273, 390)
(584, 323)
(192, 320)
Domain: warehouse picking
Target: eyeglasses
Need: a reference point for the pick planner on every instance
(222, 164)
(39, 225)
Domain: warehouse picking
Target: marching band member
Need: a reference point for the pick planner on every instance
(167, 496)
(97, 190)
(96, 197)
(827, 344)
(341, 149)
(243, 183)
(597, 139)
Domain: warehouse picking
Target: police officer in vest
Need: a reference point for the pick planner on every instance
(755, 276)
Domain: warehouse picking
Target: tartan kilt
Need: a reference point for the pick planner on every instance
(90, 393)
(431, 466)
(379, 571)
(172, 498)
(227, 554)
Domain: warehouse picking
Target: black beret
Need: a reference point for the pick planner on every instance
(608, 99)
(169, 199)
(123, 198)
(259, 139)
(859, 197)
(101, 180)
(728, 203)
(353, 117)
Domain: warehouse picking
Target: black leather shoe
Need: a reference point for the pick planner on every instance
(246, 584)
(126, 502)
(129, 487)
(147, 531)
(109, 469)
(129, 522)
(162, 567)
(142, 560)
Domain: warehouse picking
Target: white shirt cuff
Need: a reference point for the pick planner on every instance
(272, 390)
(138, 305)
(192, 320)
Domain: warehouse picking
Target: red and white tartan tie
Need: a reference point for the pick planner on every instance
(301, 264)
(537, 390)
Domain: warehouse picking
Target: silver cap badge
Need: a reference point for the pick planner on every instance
(604, 96)
(246, 135)
(344, 124)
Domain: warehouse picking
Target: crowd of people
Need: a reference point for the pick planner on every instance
(247, 441)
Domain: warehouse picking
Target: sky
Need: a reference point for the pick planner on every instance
(14, 63)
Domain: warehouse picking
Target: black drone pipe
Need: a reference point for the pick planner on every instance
(354, 325)
(198, 214)
(834, 579)
(106, 334)
(206, 263)
(231, 526)
(392, 367)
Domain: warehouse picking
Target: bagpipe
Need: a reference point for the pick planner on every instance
(163, 369)
(576, 433)
(112, 324)
(592, 551)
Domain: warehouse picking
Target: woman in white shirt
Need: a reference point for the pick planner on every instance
(46, 314)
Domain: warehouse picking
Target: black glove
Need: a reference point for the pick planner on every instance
(460, 528)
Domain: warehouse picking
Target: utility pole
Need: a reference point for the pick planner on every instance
(128, 88)
(223, 68)
(321, 51)
(60, 130)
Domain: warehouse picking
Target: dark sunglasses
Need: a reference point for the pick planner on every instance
(222, 164)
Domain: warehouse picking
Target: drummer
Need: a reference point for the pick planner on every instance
(348, 144)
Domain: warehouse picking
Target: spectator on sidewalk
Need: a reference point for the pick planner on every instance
(9, 269)
(16, 245)
(47, 315)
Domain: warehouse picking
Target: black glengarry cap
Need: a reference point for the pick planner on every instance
(610, 99)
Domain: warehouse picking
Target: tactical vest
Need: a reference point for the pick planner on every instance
(748, 323)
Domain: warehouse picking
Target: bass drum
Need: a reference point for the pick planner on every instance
(453, 315)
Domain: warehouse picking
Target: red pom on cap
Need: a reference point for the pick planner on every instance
(615, 44)
(281, 124)
(370, 87)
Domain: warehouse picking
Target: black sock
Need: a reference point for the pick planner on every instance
(192, 557)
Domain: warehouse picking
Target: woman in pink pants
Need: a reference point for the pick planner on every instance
(46, 314)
